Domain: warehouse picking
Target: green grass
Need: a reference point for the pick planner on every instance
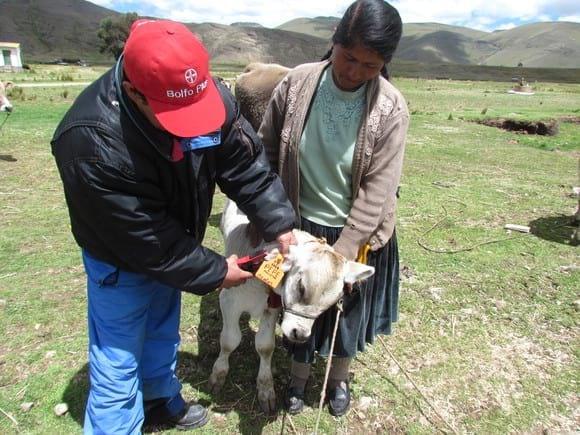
(489, 335)
(451, 71)
(55, 73)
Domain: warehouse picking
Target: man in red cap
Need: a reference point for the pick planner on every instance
(140, 153)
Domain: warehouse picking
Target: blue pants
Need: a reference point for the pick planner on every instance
(133, 339)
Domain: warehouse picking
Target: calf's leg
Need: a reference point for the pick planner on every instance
(230, 338)
(265, 343)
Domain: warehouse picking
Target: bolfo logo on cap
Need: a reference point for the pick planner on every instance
(190, 76)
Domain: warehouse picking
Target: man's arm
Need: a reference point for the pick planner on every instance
(245, 176)
(129, 217)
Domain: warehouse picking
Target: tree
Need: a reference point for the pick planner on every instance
(114, 32)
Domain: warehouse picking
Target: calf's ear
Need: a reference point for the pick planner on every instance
(288, 260)
(272, 253)
(8, 85)
(356, 272)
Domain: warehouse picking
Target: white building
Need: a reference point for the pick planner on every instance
(10, 56)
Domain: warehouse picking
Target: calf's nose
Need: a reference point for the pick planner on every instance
(298, 335)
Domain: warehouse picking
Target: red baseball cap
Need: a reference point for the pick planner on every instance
(170, 67)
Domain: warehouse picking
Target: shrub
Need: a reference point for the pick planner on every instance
(16, 93)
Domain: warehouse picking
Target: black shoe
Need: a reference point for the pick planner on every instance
(339, 399)
(294, 400)
(190, 417)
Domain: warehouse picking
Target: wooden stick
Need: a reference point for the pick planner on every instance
(328, 363)
(12, 419)
(520, 228)
(455, 251)
(291, 423)
(415, 385)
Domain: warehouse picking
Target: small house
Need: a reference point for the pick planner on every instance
(10, 56)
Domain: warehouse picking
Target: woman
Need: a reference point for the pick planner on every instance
(335, 131)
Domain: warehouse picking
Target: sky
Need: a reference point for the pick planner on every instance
(485, 15)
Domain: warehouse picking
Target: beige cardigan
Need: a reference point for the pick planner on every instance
(377, 160)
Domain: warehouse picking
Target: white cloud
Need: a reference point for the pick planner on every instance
(572, 18)
(507, 26)
(469, 12)
(483, 14)
(105, 3)
(267, 13)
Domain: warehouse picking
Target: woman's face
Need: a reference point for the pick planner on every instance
(353, 66)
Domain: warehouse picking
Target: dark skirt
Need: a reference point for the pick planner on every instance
(369, 310)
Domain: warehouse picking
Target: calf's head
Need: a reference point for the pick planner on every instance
(5, 105)
(314, 281)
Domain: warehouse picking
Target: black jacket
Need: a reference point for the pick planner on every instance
(133, 206)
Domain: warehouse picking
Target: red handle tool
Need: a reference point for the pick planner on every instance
(251, 263)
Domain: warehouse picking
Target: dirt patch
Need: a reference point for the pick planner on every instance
(542, 128)
(571, 119)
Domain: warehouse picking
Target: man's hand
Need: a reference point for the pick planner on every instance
(285, 240)
(235, 276)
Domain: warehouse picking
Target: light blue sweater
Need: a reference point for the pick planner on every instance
(326, 152)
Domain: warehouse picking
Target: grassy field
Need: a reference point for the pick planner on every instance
(399, 68)
(487, 340)
(55, 73)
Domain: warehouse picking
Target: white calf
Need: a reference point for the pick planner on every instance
(314, 281)
(5, 105)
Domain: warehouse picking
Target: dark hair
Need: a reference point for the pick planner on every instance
(373, 23)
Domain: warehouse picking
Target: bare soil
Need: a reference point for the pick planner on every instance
(542, 128)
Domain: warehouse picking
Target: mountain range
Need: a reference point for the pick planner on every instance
(553, 44)
(49, 29)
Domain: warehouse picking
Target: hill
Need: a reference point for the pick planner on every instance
(422, 29)
(321, 27)
(554, 44)
(48, 29)
(537, 45)
(245, 24)
(241, 45)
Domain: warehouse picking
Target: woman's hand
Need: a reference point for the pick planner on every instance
(285, 240)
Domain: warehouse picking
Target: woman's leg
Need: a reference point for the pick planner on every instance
(299, 373)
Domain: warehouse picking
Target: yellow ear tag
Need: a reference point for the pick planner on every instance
(270, 272)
